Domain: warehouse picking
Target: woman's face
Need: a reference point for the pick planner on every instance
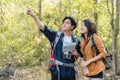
(83, 28)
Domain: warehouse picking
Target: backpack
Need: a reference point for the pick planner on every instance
(108, 60)
(53, 44)
(56, 62)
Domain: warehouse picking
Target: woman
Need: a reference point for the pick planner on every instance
(92, 61)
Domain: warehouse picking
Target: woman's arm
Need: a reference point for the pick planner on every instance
(101, 49)
(84, 64)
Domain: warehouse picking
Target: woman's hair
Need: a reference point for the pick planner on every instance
(90, 26)
(91, 30)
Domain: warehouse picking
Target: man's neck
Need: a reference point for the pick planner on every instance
(85, 35)
(67, 33)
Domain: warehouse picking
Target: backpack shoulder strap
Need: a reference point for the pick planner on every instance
(75, 39)
(94, 45)
(56, 40)
(81, 39)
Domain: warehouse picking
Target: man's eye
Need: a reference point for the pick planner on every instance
(67, 22)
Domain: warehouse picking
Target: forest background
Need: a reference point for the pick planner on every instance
(24, 50)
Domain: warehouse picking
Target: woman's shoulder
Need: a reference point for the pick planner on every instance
(97, 38)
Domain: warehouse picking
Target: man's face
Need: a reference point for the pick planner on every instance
(66, 26)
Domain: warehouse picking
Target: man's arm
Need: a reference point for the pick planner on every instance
(37, 21)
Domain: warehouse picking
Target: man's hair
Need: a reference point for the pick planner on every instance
(72, 20)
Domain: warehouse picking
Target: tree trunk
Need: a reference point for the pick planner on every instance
(1, 14)
(116, 30)
(60, 13)
(95, 12)
(114, 41)
(112, 15)
(115, 27)
(60, 6)
(40, 9)
(115, 37)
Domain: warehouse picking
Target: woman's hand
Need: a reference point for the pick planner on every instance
(85, 63)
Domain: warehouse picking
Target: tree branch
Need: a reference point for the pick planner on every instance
(108, 7)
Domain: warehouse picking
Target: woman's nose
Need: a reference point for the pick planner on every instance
(80, 27)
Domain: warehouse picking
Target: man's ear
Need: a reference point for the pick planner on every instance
(72, 27)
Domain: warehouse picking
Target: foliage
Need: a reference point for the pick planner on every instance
(21, 41)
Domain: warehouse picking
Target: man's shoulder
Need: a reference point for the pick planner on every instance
(75, 38)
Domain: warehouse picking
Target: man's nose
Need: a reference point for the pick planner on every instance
(64, 24)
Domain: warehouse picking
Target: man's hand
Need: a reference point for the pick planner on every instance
(30, 12)
(37, 21)
(74, 52)
(79, 59)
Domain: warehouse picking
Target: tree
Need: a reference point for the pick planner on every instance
(116, 32)
(95, 12)
(40, 9)
(115, 36)
(115, 29)
(1, 14)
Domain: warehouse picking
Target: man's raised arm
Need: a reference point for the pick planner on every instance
(37, 21)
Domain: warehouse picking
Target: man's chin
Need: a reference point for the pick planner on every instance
(63, 30)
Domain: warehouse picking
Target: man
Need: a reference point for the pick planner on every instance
(64, 67)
